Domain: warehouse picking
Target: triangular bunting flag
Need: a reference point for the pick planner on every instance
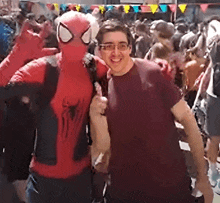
(56, 6)
(49, 6)
(86, 8)
(136, 9)
(126, 8)
(145, 9)
(182, 7)
(72, 7)
(78, 7)
(153, 8)
(163, 8)
(172, 7)
(204, 7)
(102, 9)
(63, 7)
(110, 7)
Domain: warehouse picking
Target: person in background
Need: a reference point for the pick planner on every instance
(164, 49)
(161, 33)
(143, 41)
(213, 113)
(181, 30)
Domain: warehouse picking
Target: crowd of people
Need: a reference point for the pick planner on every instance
(90, 105)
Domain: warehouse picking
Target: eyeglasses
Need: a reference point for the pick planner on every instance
(122, 46)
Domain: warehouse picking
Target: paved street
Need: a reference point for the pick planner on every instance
(216, 198)
(185, 147)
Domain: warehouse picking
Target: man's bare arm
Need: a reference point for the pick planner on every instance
(100, 149)
(203, 85)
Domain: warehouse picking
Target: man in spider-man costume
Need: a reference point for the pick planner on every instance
(62, 92)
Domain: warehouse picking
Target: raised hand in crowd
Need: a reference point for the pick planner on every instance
(37, 40)
(29, 45)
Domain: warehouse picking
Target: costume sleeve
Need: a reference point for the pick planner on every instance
(33, 72)
(26, 80)
(170, 93)
(101, 67)
(11, 64)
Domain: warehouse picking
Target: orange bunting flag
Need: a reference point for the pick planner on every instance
(182, 7)
(78, 7)
(204, 7)
(102, 9)
(126, 8)
(172, 7)
(153, 8)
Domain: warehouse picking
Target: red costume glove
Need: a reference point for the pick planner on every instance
(165, 69)
(28, 46)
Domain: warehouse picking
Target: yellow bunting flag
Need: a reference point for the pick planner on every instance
(78, 7)
(182, 7)
(126, 8)
(56, 6)
(102, 9)
(153, 8)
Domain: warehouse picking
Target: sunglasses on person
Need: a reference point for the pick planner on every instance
(121, 46)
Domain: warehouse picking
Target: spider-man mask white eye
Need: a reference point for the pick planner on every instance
(65, 35)
(86, 36)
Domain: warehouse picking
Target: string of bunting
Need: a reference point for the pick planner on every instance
(149, 8)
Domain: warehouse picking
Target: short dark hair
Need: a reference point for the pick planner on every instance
(114, 25)
(142, 27)
(160, 51)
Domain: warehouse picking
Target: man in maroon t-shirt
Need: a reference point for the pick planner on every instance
(146, 163)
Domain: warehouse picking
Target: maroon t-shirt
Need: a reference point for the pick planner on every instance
(145, 150)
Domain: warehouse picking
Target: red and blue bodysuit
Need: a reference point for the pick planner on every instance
(61, 148)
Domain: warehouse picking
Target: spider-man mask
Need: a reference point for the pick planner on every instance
(74, 34)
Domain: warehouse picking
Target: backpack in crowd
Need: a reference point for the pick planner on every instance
(216, 79)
